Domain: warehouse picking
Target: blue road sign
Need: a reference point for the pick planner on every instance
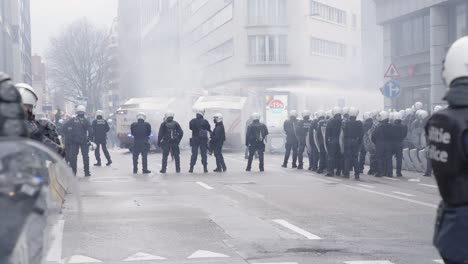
(392, 89)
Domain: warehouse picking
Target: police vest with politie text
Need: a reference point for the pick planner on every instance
(445, 131)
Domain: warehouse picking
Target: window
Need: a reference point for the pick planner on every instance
(412, 36)
(268, 49)
(267, 12)
(461, 20)
(327, 12)
(327, 48)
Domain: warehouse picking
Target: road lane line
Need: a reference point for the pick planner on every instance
(204, 185)
(404, 194)
(55, 251)
(296, 229)
(367, 186)
(274, 263)
(428, 185)
(369, 262)
(390, 178)
(393, 196)
(438, 261)
(246, 192)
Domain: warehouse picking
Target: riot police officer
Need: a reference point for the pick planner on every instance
(314, 151)
(100, 130)
(255, 141)
(290, 127)
(332, 139)
(319, 136)
(217, 140)
(398, 135)
(383, 150)
(447, 134)
(141, 132)
(352, 137)
(303, 127)
(41, 130)
(169, 137)
(201, 131)
(78, 133)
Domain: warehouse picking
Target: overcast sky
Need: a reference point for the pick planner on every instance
(48, 17)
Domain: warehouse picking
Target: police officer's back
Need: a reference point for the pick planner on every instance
(78, 132)
(447, 134)
(217, 140)
(255, 141)
(289, 127)
(380, 137)
(398, 135)
(332, 139)
(201, 131)
(141, 132)
(303, 127)
(100, 130)
(352, 134)
(169, 137)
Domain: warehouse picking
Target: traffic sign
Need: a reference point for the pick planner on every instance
(392, 89)
(392, 72)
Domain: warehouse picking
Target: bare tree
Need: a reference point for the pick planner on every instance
(78, 63)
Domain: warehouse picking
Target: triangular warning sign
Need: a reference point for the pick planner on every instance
(392, 72)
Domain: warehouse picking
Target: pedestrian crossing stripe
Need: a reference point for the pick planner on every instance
(369, 262)
(82, 259)
(206, 254)
(143, 256)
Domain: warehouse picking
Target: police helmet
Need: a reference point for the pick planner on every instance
(255, 116)
(200, 112)
(218, 117)
(383, 115)
(336, 110)
(28, 95)
(422, 114)
(418, 106)
(110, 121)
(141, 115)
(81, 109)
(328, 114)
(409, 111)
(305, 113)
(99, 113)
(293, 113)
(345, 110)
(169, 114)
(456, 61)
(366, 116)
(320, 113)
(397, 116)
(353, 111)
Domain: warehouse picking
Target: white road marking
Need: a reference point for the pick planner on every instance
(404, 194)
(390, 178)
(274, 263)
(439, 261)
(206, 254)
(414, 180)
(428, 185)
(55, 251)
(204, 185)
(296, 229)
(246, 192)
(82, 259)
(367, 186)
(143, 256)
(369, 262)
(393, 196)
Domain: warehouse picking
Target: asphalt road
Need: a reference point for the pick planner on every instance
(278, 216)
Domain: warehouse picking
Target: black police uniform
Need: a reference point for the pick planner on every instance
(78, 132)
(169, 137)
(303, 127)
(447, 136)
(314, 151)
(398, 135)
(141, 132)
(323, 156)
(332, 139)
(44, 131)
(255, 141)
(352, 139)
(383, 150)
(290, 127)
(217, 140)
(201, 131)
(100, 129)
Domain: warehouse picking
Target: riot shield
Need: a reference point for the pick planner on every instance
(316, 140)
(324, 134)
(35, 183)
(341, 141)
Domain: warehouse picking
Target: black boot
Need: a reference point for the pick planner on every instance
(284, 165)
(146, 171)
(109, 163)
(300, 167)
(191, 169)
(224, 167)
(97, 164)
(217, 170)
(163, 171)
(205, 169)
